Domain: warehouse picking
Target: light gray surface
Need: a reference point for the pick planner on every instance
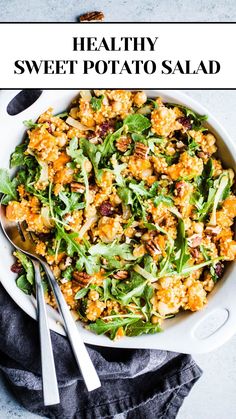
(118, 10)
(213, 397)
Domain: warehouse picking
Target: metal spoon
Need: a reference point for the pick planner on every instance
(49, 378)
(25, 244)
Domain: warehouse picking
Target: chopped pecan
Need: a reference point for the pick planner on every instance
(77, 187)
(121, 275)
(81, 277)
(140, 150)
(180, 189)
(123, 143)
(195, 253)
(106, 209)
(194, 240)
(204, 156)
(88, 17)
(17, 268)
(152, 248)
(212, 230)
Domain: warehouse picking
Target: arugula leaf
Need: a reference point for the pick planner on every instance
(139, 138)
(153, 102)
(117, 169)
(71, 203)
(24, 284)
(101, 327)
(18, 156)
(62, 115)
(125, 195)
(137, 123)
(96, 102)
(30, 124)
(150, 265)
(152, 141)
(78, 156)
(193, 146)
(134, 288)
(107, 148)
(145, 274)
(219, 195)
(165, 199)
(142, 328)
(90, 263)
(193, 268)
(215, 196)
(7, 186)
(149, 141)
(181, 245)
(81, 293)
(139, 189)
(67, 273)
(27, 265)
(91, 151)
(204, 252)
(110, 250)
(107, 289)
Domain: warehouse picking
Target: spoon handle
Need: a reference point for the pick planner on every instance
(81, 354)
(49, 378)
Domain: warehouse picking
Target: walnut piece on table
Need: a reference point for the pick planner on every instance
(92, 16)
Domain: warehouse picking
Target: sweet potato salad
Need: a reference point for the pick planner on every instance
(128, 202)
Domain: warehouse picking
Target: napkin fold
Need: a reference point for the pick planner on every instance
(136, 384)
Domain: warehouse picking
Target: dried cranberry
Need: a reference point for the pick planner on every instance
(49, 127)
(185, 121)
(45, 236)
(106, 209)
(104, 128)
(17, 268)
(219, 268)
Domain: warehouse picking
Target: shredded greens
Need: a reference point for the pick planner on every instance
(113, 206)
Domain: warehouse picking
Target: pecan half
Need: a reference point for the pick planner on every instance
(121, 275)
(81, 277)
(123, 143)
(77, 187)
(152, 248)
(88, 17)
(140, 150)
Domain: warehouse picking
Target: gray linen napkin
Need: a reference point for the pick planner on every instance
(135, 383)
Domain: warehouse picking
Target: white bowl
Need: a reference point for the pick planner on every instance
(188, 332)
